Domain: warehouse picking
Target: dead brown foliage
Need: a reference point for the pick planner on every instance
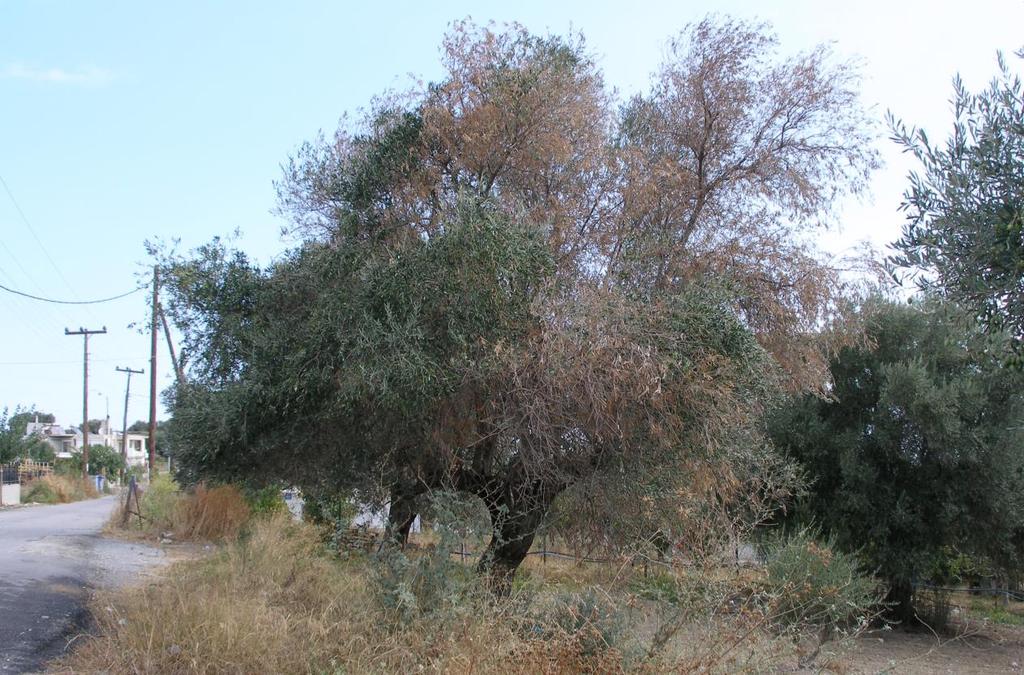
(217, 513)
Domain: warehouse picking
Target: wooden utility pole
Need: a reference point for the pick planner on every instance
(85, 333)
(170, 347)
(152, 373)
(124, 426)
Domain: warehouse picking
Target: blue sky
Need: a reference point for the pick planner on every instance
(127, 121)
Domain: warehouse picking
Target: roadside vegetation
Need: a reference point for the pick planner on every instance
(276, 599)
(164, 510)
(13, 443)
(59, 489)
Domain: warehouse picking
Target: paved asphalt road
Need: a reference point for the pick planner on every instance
(51, 557)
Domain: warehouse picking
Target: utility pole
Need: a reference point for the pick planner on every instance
(152, 373)
(85, 333)
(124, 427)
(179, 373)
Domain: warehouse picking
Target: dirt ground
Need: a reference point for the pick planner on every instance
(979, 648)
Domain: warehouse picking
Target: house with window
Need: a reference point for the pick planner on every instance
(66, 441)
(63, 440)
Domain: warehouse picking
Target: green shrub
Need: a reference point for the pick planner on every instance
(658, 587)
(333, 509)
(408, 587)
(68, 466)
(266, 501)
(587, 619)
(427, 583)
(159, 501)
(105, 460)
(58, 489)
(812, 586)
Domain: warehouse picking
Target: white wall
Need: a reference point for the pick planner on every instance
(10, 494)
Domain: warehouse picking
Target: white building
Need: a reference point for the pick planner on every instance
(68, 440)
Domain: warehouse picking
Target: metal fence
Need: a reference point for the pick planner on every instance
(24, 471)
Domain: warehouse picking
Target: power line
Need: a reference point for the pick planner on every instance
(72, 302)
(42, 246)
(35, 236)
(49, 318)
(64, 363)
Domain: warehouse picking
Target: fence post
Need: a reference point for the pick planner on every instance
(544, 553)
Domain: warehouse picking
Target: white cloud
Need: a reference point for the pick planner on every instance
(86, 75)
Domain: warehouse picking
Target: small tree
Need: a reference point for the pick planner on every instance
(965, 211)
(102, 460)
(915, 454)
(106, 460)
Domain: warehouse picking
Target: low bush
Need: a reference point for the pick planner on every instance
(159, 502)
(274, 601)
(813, 591)
(277, 600)
(428, 583)
(266, 501)
(423, 585)
(589, 621)
(39, 492)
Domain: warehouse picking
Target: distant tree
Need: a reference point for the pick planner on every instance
(105, 460)
(94, 426)
(19, 420)
(508, 284)
(965, 211)
(13, 442)
(916, 453)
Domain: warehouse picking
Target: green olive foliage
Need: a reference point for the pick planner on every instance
(964, 234)
(916, 455)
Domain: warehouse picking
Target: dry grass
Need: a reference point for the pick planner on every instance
(58, 489)
(274, 601)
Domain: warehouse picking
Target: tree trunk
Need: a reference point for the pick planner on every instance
(401, 515)
(901, 601)
(515, 519)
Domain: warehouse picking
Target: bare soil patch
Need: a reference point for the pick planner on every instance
(979, 648)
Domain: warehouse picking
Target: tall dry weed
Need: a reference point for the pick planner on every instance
(211, 513)
(203, 513)
(58, 489)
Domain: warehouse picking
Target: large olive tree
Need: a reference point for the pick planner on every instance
(507, 284)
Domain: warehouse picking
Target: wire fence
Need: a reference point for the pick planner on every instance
(636, 558)
(1006, 594)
